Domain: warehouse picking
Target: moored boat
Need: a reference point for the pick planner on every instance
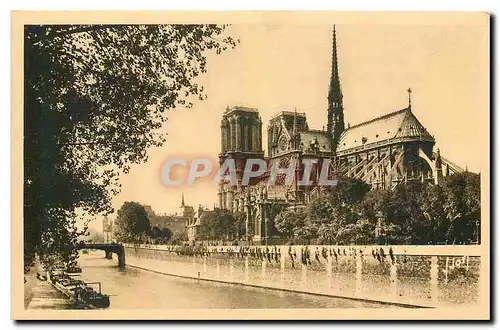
(82, 293)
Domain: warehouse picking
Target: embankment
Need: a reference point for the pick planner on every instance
(413, 276)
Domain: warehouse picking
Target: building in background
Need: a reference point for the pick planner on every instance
(193, 227)
(107, 230)
(176, 222)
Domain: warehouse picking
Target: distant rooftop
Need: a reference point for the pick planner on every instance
(288, 113)
(240, 108)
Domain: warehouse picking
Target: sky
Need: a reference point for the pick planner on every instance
(279, 67)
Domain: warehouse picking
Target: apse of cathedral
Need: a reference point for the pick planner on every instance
(385, 152)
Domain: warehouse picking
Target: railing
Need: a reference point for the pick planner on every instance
(415, 250)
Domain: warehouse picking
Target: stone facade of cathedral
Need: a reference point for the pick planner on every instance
(385, 151)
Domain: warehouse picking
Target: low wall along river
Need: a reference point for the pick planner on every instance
(430, 276)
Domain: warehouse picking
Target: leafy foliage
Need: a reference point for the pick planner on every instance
(240, 219)
(404, 212)
(349, 191)
(327, 216)
(132, 223)
(155, 232)
(166, 233)
(95, 97)
(410, 214)
(217, 224)
(178, 238)
(160, 236)
(291, 223)
(463, 207)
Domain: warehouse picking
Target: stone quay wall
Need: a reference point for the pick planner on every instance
(422, 276)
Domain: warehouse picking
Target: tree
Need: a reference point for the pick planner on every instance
(334, 215)
(423, 214)
(160, 235)
(349, 191)
(322, 219)
(240, 219)
(155, 232)
(178, 238)
(463, 207)
(216, 224)
(328, 232)
(132, 223)
(166, 234)
(94, 99)
(305, 233)
(433, 208)
(289, 223)
(406, 214)
(327, 216)
(376, 202)
(398, 214)
(364, 232)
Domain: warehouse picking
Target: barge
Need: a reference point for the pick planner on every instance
(83, 294)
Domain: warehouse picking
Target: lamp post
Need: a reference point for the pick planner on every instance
(477, 232)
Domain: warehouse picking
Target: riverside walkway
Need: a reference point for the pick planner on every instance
(45, 296)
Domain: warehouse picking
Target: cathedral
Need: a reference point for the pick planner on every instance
(385, 152)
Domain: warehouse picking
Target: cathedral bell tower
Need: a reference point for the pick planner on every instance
(241, 139)
(335, 125)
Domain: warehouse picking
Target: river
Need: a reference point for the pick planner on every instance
(134, 288)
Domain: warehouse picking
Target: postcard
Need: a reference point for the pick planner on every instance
(250, 165)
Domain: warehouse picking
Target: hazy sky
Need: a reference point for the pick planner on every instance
(280, 67)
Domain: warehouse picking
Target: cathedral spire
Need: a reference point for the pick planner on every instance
(409, 98)
(335, 125)
(335, 79)
(182, 200)
(295, 131)
(295, 122)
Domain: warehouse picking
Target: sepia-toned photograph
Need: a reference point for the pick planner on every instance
(250, 165)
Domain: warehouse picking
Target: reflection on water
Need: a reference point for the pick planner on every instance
(133, 288)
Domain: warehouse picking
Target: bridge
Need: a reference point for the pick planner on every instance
(108, 248)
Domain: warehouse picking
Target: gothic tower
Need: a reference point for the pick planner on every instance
(241, 139)
(335, 125)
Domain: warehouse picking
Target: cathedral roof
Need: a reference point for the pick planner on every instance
(309, 138)
(395, 125)
(288, 114)
(239, 109)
